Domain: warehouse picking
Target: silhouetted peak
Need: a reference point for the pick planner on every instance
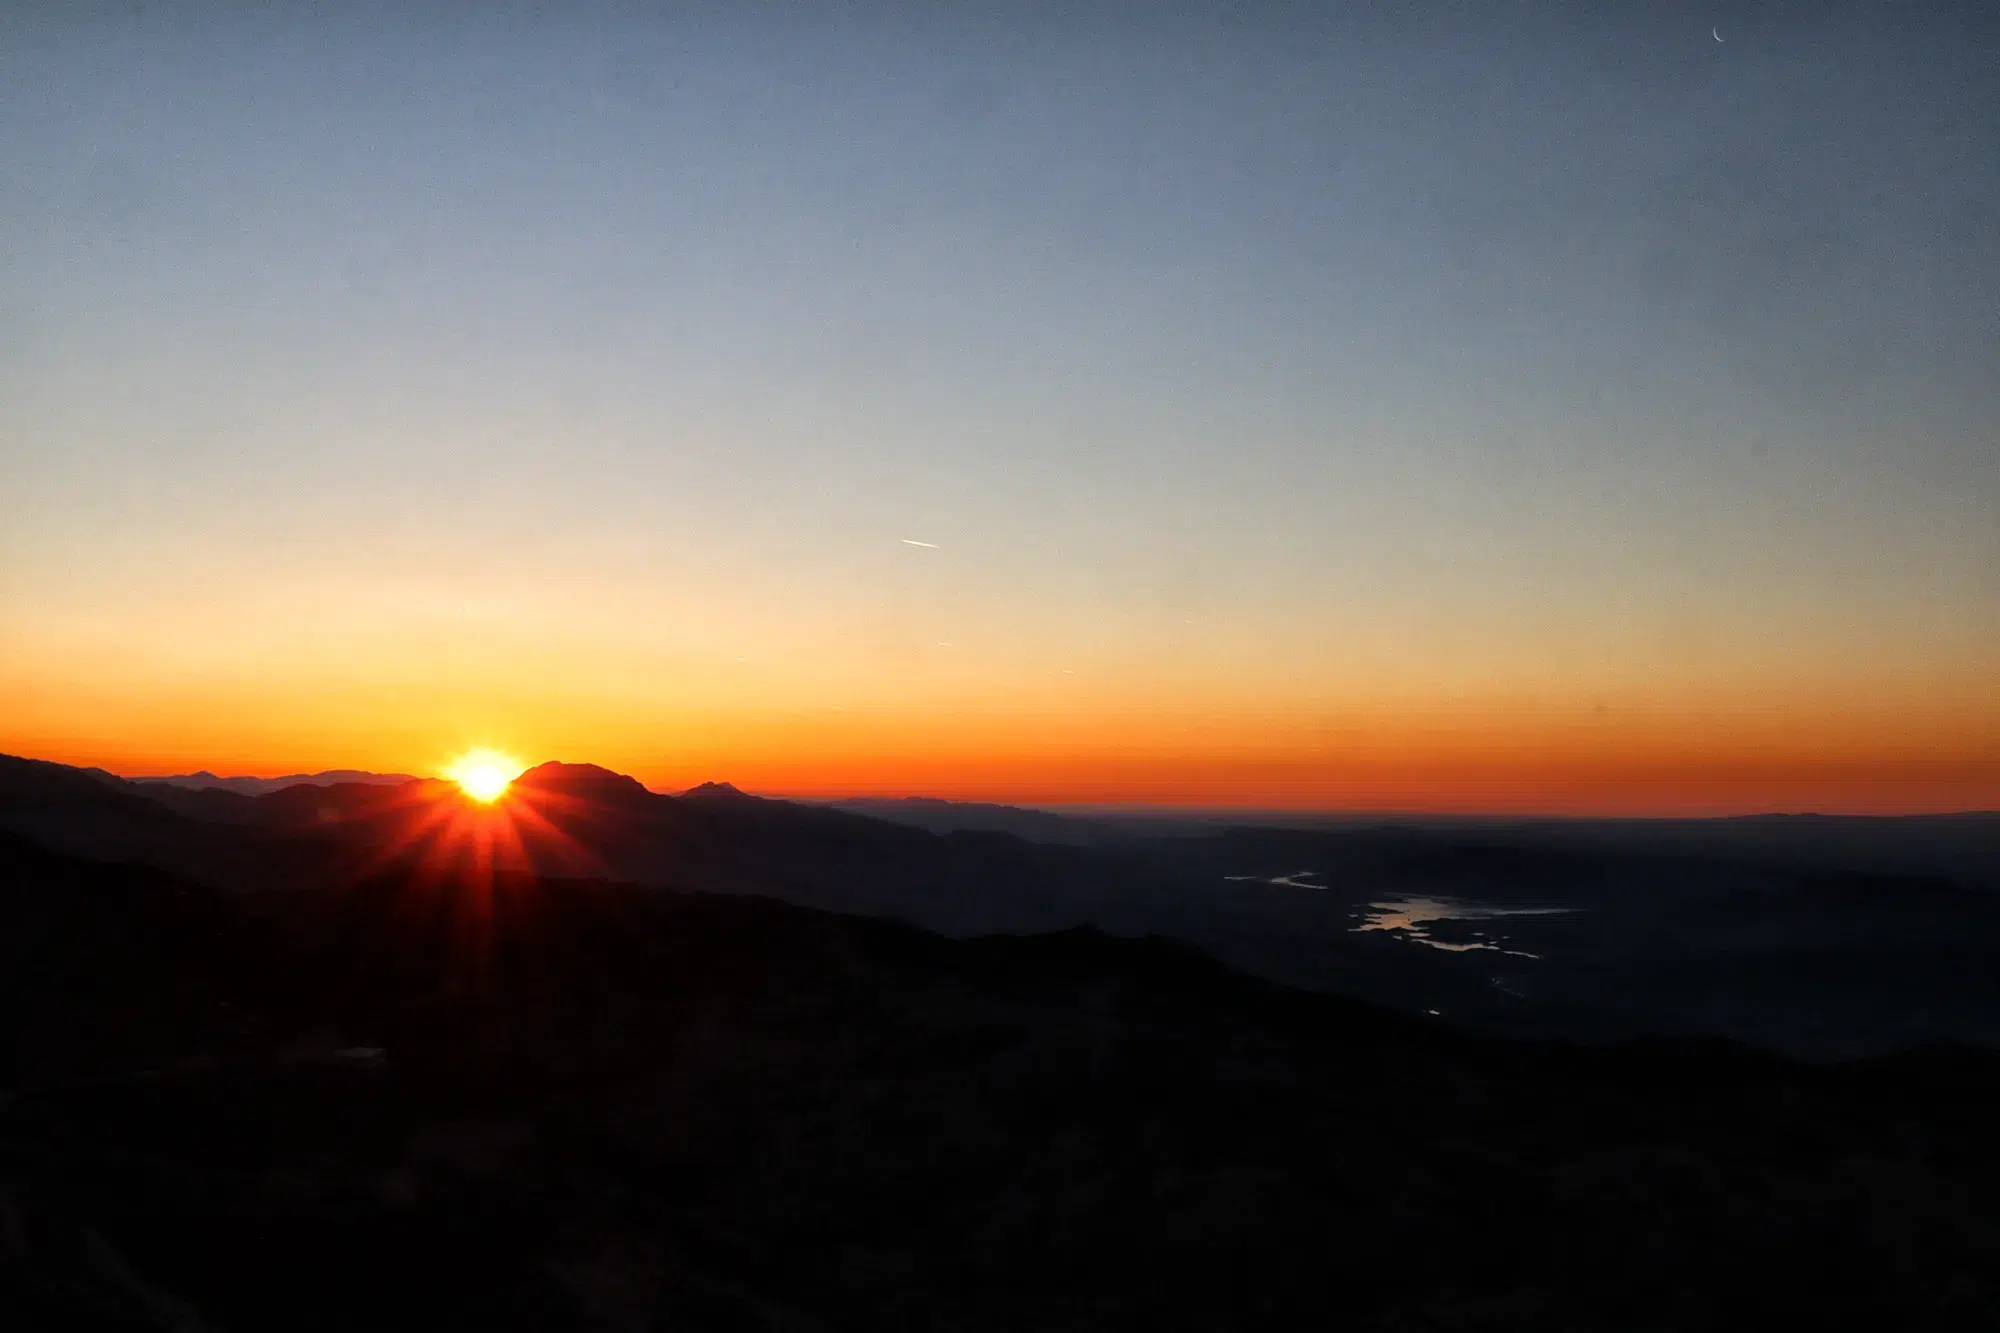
(582, 780)
(37, 779)
(717, 791)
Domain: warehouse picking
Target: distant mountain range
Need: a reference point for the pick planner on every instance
(1825, 936)
(938, 816)
(207, 781)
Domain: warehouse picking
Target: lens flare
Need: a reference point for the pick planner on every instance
(484, 775)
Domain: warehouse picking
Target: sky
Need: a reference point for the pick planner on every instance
(1475, 406)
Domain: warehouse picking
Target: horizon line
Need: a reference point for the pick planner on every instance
(1167, 809)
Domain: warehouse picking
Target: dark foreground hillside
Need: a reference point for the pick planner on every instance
(430, 1105)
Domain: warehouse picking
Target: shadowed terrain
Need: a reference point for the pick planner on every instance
(428, 1102)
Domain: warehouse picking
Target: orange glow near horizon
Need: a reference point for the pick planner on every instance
(1600, 743)
(1476, 758)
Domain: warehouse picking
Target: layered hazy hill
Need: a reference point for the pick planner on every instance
(242, 786)
(1818, 936)
(983, 817)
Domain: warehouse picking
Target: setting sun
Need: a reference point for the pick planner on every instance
(484, 774)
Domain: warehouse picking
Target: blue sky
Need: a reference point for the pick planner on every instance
(1303, 355)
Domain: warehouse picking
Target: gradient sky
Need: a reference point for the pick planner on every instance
(1472, 405)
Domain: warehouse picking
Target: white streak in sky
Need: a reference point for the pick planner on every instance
(912, 541)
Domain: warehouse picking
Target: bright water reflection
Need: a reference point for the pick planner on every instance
(1413, 916)
(1298, 879)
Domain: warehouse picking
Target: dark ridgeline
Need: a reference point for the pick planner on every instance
(1827, 938)
(207, 781)
(349, 1058)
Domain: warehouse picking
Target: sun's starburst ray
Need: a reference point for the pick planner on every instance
(470, 855)
(529, 812)
(435, 811)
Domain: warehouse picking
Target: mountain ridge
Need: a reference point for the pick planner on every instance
(1891, 938)
(204, 780)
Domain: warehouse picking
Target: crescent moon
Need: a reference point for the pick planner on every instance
(1713, 33)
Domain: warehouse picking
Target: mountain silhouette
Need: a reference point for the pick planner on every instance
(1884, 936)
(976, 816)
(721, 791)
(248, 786)
(585, 781)
(364, 1055)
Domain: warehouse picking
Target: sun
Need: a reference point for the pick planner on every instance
(484, 774)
